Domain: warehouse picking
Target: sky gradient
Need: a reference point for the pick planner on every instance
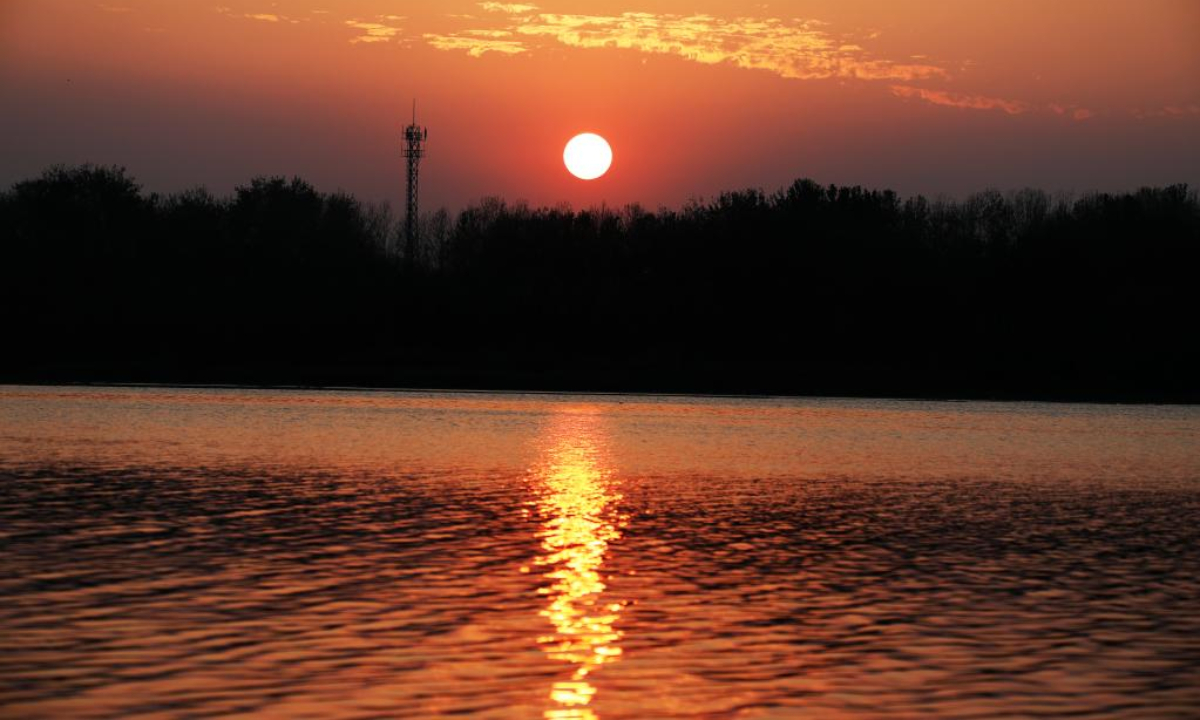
(924, 96)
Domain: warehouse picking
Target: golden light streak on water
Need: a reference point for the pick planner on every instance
(576, 498)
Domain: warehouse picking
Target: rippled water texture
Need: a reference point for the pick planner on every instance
(192, 553)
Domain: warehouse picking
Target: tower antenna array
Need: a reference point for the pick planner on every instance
(414, 149)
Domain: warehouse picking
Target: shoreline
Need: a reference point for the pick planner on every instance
(1123, 399)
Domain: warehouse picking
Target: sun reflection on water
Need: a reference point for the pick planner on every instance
(576, 499)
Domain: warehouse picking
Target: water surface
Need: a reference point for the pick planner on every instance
(196, 553)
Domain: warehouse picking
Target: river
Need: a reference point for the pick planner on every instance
(172, 553)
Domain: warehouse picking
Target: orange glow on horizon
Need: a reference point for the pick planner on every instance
(925, 96)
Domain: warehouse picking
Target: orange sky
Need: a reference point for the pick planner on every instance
(930, 96)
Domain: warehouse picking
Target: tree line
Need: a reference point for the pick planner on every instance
(809, 289)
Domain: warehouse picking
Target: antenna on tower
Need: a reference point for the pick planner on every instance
(414, 149)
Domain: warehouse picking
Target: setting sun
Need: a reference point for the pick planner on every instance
(588, 156)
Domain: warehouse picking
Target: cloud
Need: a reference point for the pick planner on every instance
(509, 8)
(797, 49)
(1072, 111)
(791, 49)
(961, 100)
(475, 46)
(373, 32)
(1168, 111)
(261, 17)
(115, 8)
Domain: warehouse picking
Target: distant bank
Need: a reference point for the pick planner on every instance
(590, 377)
(808, 290)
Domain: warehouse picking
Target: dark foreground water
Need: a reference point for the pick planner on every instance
(197, 553)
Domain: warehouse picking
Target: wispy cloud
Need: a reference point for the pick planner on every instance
(968, 101)
(260, 17)
(489, 33)
(1072, 111)
(1168, 111)
(475, 45)
(115, 8)
(510, 8)
(374, 32)
(791, 49)
(796, 49)
(961, 100)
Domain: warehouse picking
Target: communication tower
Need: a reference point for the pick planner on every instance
(414, 149)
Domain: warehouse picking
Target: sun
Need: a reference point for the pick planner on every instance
(588, 156)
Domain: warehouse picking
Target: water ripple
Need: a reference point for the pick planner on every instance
(575, 577)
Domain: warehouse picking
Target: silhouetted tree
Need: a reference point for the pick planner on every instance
(808, 289)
